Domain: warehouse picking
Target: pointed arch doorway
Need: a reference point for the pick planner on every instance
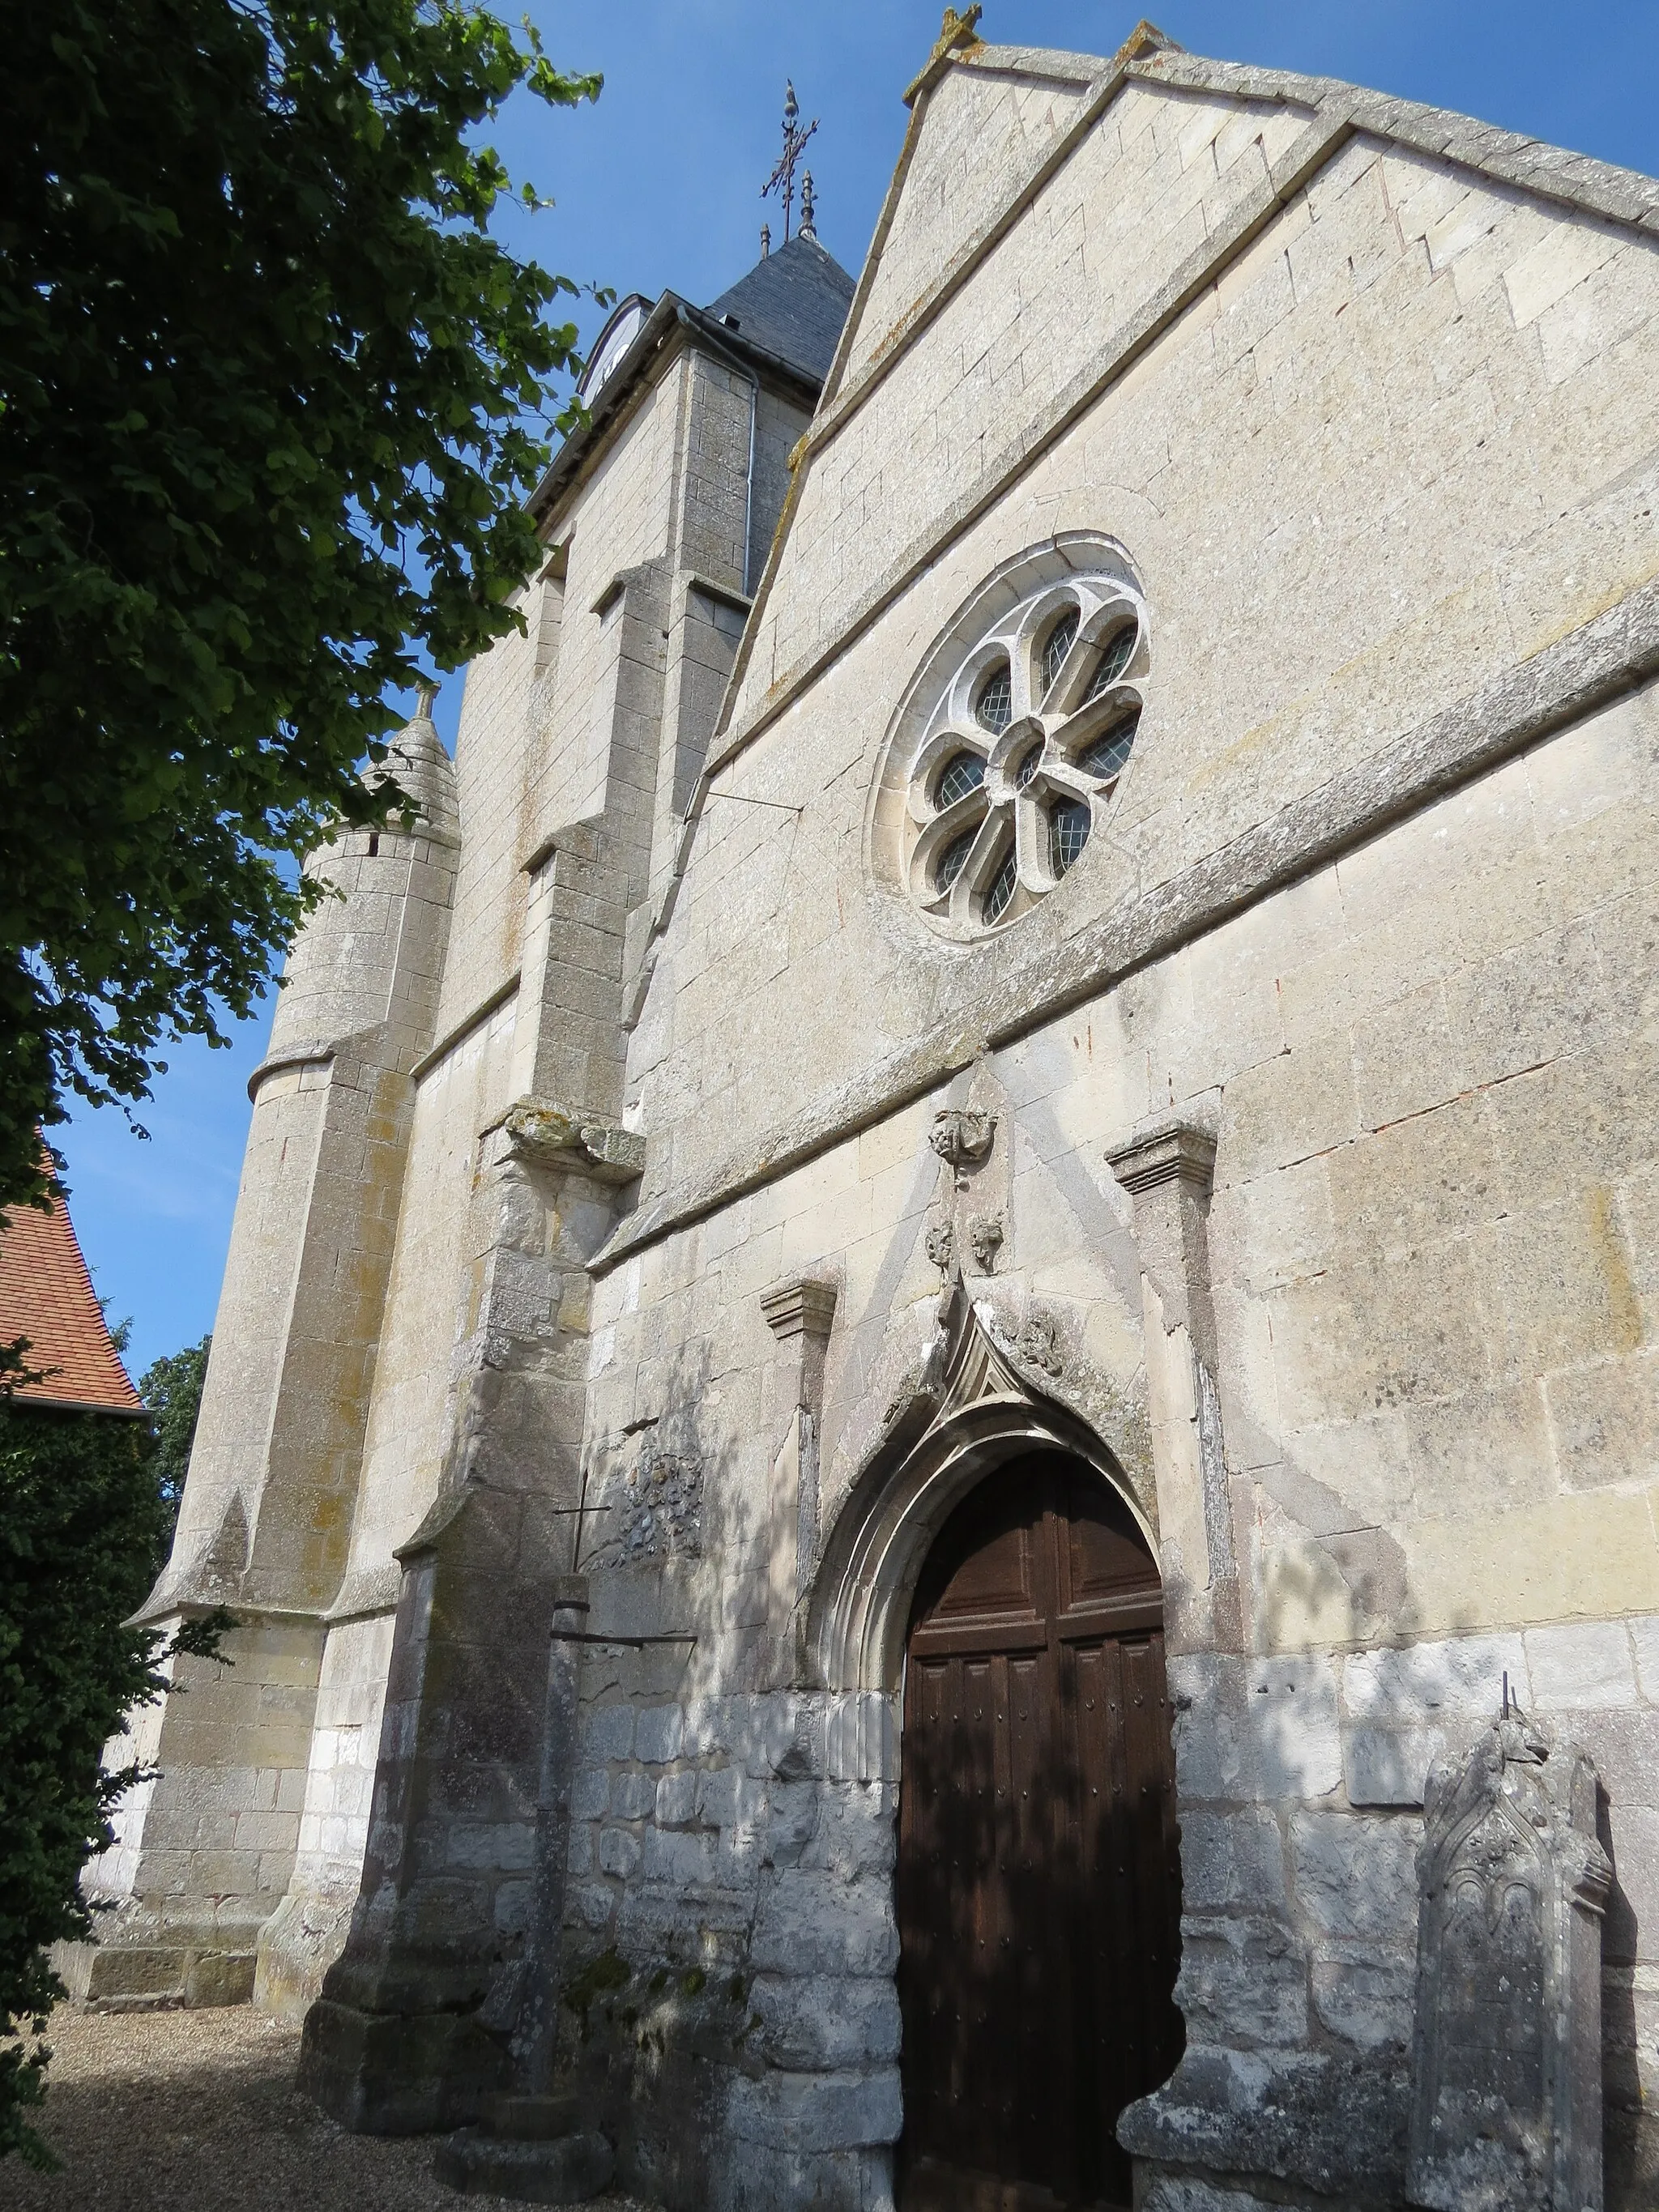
(1038, 1883)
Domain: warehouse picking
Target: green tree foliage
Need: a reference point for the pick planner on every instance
(269, 406)
(172, 1389)
(82, 1532)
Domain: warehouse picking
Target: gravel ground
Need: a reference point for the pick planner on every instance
(197, 2111)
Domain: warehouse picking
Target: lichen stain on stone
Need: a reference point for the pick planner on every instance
(601, 1977)
(1578, 613)
(1607, 1243)
(1330, 698)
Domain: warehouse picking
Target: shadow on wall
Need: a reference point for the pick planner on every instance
(669, 1831)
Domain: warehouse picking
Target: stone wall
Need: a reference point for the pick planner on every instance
(1294, 380)
(1379, 1098)
(733, 1944)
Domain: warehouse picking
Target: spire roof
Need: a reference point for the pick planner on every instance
(792, 304)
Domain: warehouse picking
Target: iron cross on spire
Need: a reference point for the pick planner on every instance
(782, 178)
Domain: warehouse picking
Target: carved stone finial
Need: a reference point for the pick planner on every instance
(958, 34)
(808, 208)
(962, 1136)
(766, 240)
(1506, 2051)
(426, 693)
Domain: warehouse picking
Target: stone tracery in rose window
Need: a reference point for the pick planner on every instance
(1022, 755)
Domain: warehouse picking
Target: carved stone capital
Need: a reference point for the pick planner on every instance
(804, 1306)
(1170, 1152)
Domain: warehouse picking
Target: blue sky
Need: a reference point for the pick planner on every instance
(658, 185)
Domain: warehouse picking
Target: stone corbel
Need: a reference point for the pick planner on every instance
(799, 1314)
(1168, 1171)
(544, 1135)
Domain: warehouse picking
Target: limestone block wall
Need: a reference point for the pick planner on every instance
(731, 1875)
(202, 1859)
(429, 1306)
(779, 422)
(1430, 1226)
(1423, 1066)
(703, 642)
(986, 132)
(716, 509)
(206, 1852)
(267, 1507)
(622, 518)
(261, 1280)
(1156, 176)
(496, 764)
(1301, 1785)
(1275, 666)
(307, 1929)
(557, 781)
(374, 955)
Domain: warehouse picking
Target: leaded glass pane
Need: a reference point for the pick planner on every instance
(996, 700)
(1002, 888)
(1068, 833)
(1059, 645)
(1028, 768)
(962, 772)
(1106, 756)
(952, 861)
(1118, 653)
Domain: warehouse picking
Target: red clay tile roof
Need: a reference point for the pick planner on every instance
(46, 1295)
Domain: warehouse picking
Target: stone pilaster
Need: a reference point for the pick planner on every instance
(799, 1314)
(1168, 1172)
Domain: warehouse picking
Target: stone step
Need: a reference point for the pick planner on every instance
(565, 2169)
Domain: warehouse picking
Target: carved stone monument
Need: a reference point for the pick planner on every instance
(1506, 2053)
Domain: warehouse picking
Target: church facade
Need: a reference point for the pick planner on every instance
(933, 1425)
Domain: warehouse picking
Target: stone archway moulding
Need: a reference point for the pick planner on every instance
(945, 1436)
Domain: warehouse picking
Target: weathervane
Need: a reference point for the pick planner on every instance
(782, 178)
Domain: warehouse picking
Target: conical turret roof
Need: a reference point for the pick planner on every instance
(416, 761)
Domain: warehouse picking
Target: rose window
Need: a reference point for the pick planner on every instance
(1020, 757)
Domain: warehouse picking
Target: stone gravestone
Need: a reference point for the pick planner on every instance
(1506, 2051)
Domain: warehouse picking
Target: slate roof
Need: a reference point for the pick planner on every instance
(786, 317)
(46, 1295)
(793, 304)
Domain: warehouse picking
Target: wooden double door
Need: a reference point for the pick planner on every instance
(1038, 1885)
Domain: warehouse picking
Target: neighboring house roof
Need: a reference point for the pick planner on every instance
(792, 304)
(46, 1295)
